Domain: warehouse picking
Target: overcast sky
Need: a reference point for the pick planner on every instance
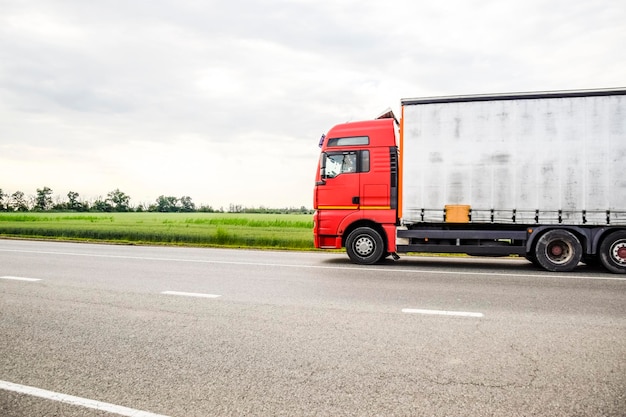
(225, 101)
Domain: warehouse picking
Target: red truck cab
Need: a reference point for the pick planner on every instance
(356, 190)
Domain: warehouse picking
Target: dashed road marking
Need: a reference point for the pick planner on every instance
(20, 278)
(441, 312)
(78, 401)
(190, 294)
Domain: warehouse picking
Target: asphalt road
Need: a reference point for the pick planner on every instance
(210, 332)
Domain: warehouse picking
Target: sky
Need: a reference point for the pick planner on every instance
(225, 101)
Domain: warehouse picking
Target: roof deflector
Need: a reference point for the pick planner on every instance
(388, 114)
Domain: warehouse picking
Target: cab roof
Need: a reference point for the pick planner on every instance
(380, 131)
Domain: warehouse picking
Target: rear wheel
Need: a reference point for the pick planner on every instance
(365, 246)
(613, 252)
(558, 251)
(590, 260)
(531, 257)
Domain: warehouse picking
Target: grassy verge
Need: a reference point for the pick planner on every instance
(278, 231)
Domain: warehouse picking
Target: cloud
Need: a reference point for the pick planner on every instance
(167, 97)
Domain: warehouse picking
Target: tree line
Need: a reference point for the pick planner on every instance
(118, 201)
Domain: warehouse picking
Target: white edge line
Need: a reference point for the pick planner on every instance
(70, 399)
(20, 278)
(382, 269)
(190, 294)
(441, 312)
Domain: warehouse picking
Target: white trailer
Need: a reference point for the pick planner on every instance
(542, 175)
(551, 158)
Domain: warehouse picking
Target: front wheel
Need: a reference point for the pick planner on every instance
(613, 252)
(365, 246)
(558, 251)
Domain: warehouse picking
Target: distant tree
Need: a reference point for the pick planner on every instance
(4, 204)
(119, 200)
(102, 206)
(59, 205)
(17, 202)
(43, 200)
(72, 201)
(186, 205)
(206, 209)
(235, 208)
(166, 204)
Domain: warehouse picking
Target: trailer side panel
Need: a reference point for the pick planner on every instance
(530, 160)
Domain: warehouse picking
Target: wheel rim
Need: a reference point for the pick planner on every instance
(559, 252)
(364, 246)
(618, 252)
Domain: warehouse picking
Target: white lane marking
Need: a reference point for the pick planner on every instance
(381, 269)
(20, 278)
(81, 402)
(441, 312)
(191, 294)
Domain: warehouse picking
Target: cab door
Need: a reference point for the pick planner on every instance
(338, 186)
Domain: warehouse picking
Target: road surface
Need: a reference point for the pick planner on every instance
(104, 330)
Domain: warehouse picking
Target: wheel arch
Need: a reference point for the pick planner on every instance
(365, 223)
(584, 235)
(603, 233)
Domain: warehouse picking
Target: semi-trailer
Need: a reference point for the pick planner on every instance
(541, 175)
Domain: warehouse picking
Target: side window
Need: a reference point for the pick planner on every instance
(350, 141)
(337, 163)
(365, 161)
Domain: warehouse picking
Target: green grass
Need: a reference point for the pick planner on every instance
(278, 231)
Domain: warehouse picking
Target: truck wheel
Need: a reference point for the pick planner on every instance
(365, 246)
(613, 252)
(558, 251)
(531, 258)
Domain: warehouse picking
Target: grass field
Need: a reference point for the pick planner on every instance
(278, 231)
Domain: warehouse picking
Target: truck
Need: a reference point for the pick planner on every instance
(541, 175)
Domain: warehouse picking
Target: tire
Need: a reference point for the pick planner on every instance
(591, 260)
(558, 250)
(531, 258)
(613, 252)
(365, 246)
